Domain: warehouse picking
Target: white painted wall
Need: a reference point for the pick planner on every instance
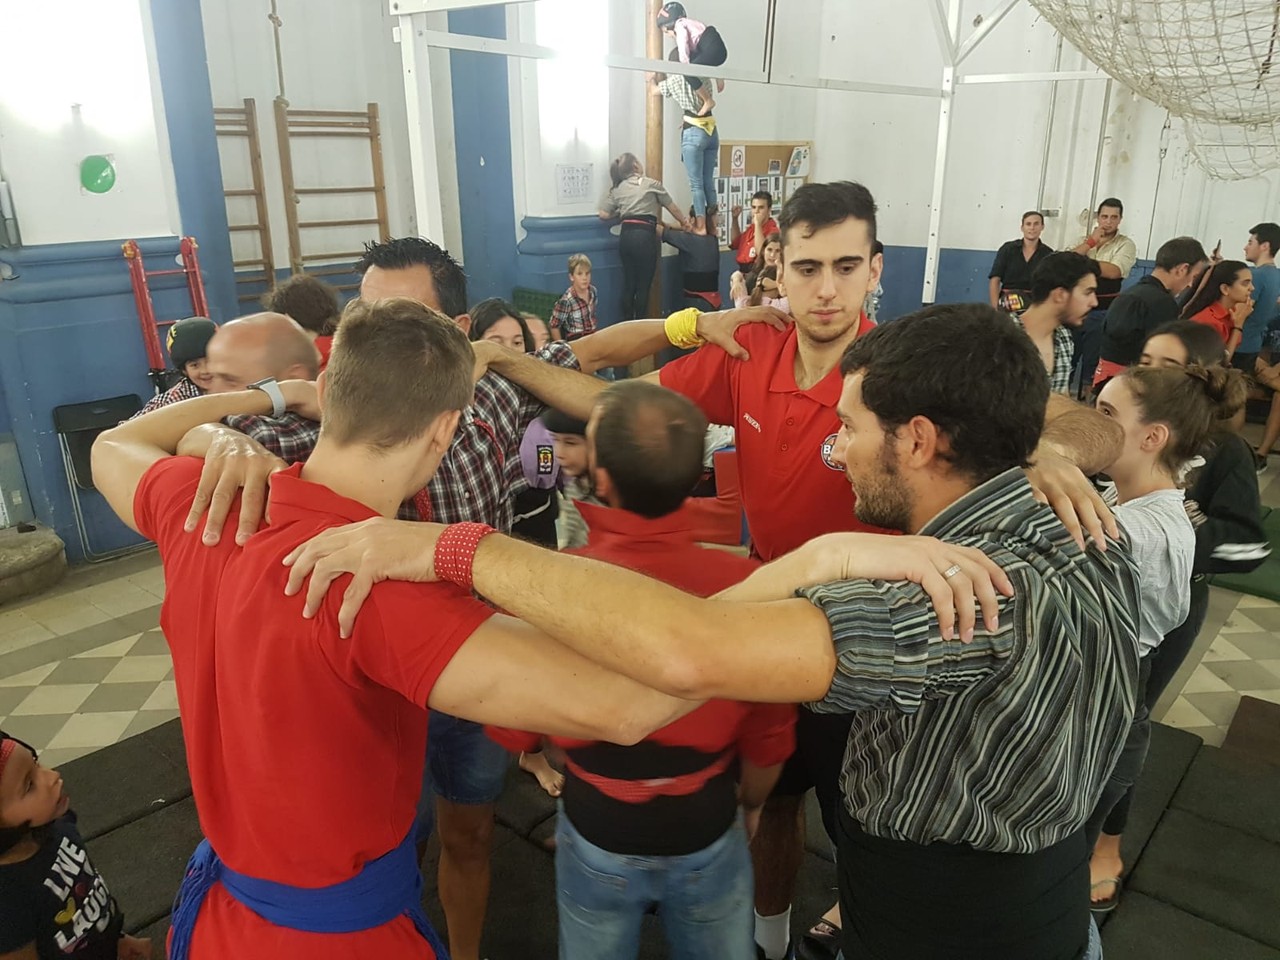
(78, 83)
(337, 56)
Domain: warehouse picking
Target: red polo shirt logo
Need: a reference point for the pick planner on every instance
(828, 446)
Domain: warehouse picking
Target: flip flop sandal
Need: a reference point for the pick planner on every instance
(822, 942)
(1111, 902)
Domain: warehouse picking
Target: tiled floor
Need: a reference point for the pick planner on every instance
(85, 665)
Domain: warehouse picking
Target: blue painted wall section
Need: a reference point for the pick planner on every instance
(188, 106)
(481, 107)
(69, 334)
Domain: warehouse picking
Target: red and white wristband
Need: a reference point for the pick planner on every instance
(455, 552)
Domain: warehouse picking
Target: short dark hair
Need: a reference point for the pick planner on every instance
(650, 441)
(1268, 233)
(764, 195)
(1032, 213)
(404, 252)
(966, 368)
(818, 205)
(396, 366)
(1061, 271)
(488, 312)
(308, 301)
(1111, 202)
(1173, 253)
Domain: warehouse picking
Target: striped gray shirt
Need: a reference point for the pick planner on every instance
(1004, 743)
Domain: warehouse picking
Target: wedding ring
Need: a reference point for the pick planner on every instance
(951, 571)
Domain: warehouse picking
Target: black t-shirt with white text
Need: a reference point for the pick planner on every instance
(59, 900)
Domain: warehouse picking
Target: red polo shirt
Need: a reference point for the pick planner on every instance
(1217, 316)
(305, 750)
(791, 489)
(749, 246)
(761, 734)
(325, 346)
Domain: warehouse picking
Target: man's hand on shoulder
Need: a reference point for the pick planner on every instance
(487, 353)
(232, 462)
(718, 328)
(300, 397)
(1058, 482)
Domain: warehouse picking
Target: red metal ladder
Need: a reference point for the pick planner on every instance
(139, 277)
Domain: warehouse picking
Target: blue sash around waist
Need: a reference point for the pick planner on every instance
(386, 888)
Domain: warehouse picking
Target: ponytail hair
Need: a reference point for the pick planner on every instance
(623, 167)
(1190, 400)
(1210, 292)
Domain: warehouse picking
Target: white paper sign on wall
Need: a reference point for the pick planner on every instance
(738, 161)
(575, 182)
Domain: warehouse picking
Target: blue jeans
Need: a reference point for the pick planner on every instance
(700, 153)
(1094, 950)
(463, 766)
(704, 899)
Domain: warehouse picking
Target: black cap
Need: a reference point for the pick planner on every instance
(189, 339)
(558, 421)
(670, 13)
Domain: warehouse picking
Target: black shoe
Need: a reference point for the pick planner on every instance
(791, 952)
(1259, 463)
(820, 943)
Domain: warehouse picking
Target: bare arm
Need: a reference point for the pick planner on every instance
(124, 453)
(756, 783)
(1110, 270)
(993, 291)
(684, 646)
(509, 674)
(567, 390)
(1085, 437)
(616, 345)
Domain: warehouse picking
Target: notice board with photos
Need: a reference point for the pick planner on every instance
(748, 166)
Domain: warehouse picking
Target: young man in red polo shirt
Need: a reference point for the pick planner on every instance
(306, 750)
(747, 242)
(782, 401)
(658, 823)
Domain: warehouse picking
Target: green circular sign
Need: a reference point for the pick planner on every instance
(97, 173)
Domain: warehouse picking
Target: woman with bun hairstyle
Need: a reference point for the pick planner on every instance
(1167, 415)
(1222, 500)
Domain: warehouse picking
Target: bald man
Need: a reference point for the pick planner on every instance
(263, 346)
(257, 351)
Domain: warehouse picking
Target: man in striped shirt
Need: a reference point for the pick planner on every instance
(971, 767)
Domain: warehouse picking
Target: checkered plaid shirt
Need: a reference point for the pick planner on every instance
(482, 466)
(573, 316)
(1064, 350)
(182, 390)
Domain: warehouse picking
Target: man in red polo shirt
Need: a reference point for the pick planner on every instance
(660, 820)
(747, 243)
(306, 750)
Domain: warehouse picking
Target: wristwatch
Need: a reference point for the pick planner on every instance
(272, 390)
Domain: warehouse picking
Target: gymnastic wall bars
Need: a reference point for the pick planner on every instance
(418, 37)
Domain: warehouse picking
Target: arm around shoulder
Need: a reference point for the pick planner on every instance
(508, 674)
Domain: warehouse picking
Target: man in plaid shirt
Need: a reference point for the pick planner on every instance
(465, 770)
(1063, 290)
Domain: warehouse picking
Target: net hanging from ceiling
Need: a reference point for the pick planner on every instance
(1213, 63)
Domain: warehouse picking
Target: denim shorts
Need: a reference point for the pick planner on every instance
(463, 766)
